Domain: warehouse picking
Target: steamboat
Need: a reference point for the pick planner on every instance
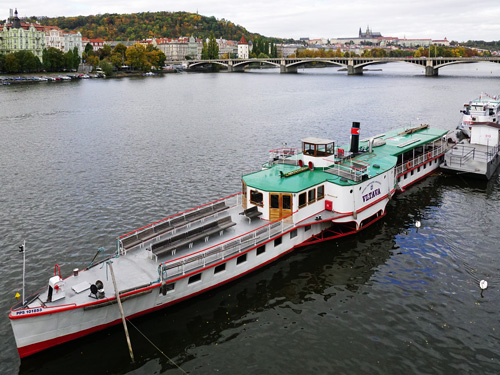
(299, 197)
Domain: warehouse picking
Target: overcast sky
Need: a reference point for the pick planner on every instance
(459, 20)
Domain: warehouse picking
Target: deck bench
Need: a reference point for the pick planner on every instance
(173, 223)
(251, 212)
(192, 236)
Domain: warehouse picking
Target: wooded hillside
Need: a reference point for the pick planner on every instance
(145, 25)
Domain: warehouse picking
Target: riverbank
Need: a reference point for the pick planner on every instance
(9, 79)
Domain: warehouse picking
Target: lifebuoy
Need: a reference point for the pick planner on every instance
(429, 156)
(408, 165)
(56, 267)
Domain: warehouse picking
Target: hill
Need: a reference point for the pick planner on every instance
(145, 25)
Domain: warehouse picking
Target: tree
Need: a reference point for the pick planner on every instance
(106, 67)
(212, 47)
(27, 61)
(137, 58)
(89, 50)
(53, 59)
(204, 51)
(76, 58)
(11, 64)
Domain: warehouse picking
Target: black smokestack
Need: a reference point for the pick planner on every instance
(355, 138)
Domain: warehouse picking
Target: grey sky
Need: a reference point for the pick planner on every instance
(459, 20)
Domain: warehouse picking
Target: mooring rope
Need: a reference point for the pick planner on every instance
(157, 348)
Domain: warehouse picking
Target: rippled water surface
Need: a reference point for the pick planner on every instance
(84, 162)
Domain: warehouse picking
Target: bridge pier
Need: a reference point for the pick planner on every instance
(430, 71)
(288, 69)
(231, 68)
(354, 70)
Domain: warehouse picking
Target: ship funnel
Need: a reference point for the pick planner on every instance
(355, 138)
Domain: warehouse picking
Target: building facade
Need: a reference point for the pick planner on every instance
(72, 40)
(17, 36)
(54, 37)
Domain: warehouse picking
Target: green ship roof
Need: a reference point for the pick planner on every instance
(380, 160)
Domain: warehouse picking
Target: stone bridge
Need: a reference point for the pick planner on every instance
(354, 65)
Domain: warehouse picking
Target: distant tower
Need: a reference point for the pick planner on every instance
(16, 22)
(243, 48)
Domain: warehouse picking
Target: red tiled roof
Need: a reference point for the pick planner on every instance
(243, 40)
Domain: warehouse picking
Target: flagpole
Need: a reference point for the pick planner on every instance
(24, 266)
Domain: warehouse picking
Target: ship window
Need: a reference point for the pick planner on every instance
(241, 259)
(413, 170)
(275, 201)
(321, 192)
(306, 228)
(194, 278)
(256, 197)
(287, 202)
(425, 165)
(302, 200)
(168, 288)
(311, 196)
(418, 169)
(261, 249)
(406, 176)
(309, 149)
(293, 233)
(220, 268)
(277, 241)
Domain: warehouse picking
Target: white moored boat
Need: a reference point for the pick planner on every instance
(298, 198)
(476, 153)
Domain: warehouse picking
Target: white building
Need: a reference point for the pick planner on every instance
(54, 37)
(243, 48)
(72, 40)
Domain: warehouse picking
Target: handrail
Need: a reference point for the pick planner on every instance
(226, 248)
(121, 247)
(178, 214)
(419, 160)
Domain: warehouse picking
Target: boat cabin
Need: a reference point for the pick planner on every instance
(486, 133)
(317, 152)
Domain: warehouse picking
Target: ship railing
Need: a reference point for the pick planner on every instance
(461, 154)
(201, 259)
(284, 155)
(420, 159)
(353, 170)
(156, 231)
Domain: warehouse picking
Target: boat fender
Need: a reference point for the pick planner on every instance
(301, 163)
(429, 156)
(408, 165)
(311, 166)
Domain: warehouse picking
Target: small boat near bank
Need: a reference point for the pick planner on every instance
(477, 151)
(299, 197)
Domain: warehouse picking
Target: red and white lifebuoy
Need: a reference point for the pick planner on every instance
(429, 156)
(408, 165)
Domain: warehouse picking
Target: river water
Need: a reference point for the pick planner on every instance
(84, 162)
